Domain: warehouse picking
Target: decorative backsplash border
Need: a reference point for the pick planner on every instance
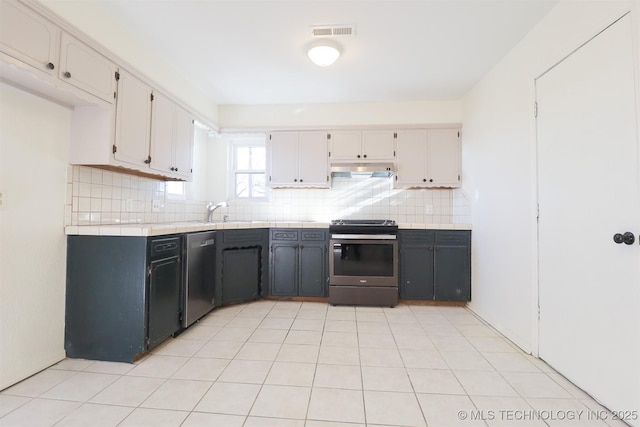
(100, 197)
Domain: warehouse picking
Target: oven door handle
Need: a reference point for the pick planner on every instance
(364, 236)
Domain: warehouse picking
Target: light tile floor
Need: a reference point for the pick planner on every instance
(295, 364)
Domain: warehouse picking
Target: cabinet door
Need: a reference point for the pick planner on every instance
(312, 159)
(443, 157)
(313, 270)
(133, 120)
(86, 69)
(284, 268)
(378, 145)
(411, 146)
(183, 157)
(240, 275)
(29, 37)
(416, 272)
(345, 145)
(283, 168)
(164, 299)
(162, 133)
(452, 273)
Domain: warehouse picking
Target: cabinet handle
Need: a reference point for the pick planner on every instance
(358, 155)
(295, 180)
(365, 156)
(424, 179)
(430, 248)
(176, 169)
(431, 180)
(67, 74)
(51, 66)
(300, 179)
(148, 160)
(301, 246)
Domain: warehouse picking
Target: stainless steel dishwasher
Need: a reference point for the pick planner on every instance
(199, 276)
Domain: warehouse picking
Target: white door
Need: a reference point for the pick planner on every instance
(283, 154)
(184, 143)
(345, 145)
(589, 190)
(411, 157)
(85, 68)
(312, 159)
(133, 120)
(443, 157)
(378, 145)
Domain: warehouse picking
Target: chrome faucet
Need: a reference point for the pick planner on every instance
(211, 208)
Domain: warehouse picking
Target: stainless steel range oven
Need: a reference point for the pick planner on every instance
(363, 264)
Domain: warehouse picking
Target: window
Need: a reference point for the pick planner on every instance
(249, 157)
(175, 190)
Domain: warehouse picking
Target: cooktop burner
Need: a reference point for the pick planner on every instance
(364, 222)
(363, 226)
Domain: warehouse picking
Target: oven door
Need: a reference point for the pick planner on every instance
(363, 262)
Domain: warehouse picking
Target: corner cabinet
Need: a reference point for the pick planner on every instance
(123, 295)
(241, 265)
(112, 118)
(435, 265)
(298, 159)
(299, 263)
(428, 158)
(361, 146)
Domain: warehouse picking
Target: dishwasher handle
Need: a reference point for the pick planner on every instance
(202, 243)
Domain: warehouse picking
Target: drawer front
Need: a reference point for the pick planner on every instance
(453, 236)
(241, 236)
(286, 235)
(417, 236)
(317, 235)
(165, 247)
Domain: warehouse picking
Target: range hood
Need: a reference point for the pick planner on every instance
(373, 170)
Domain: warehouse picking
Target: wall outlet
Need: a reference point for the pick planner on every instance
(156, 205)
(428, 209)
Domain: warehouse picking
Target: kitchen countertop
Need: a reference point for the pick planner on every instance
(190, 227)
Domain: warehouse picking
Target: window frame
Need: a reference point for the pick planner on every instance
(235, 142)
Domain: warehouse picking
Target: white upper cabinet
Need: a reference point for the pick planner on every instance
(298, 159)
(345, 145)
(86, 69)
(171, 138)
(428, 158)
(443, 157)
(312, 159)
(28, 37)
(378, 145)
(133, 121)
(183, 147)
(361, 146)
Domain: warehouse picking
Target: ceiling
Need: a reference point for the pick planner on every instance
(254, 52)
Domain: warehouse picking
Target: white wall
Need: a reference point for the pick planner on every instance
(499, 167)
(34, 146)
(309, 115)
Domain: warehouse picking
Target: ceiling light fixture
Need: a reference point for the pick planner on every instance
(324, 52)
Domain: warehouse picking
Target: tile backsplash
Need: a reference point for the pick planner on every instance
(100, 197)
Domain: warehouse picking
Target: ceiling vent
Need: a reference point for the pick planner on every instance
(333, 30)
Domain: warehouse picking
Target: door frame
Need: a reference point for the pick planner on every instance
(607, 21)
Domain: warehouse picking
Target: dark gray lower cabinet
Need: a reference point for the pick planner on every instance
(435, 265)
(299, 265)
(122, 296)
(242, 265)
